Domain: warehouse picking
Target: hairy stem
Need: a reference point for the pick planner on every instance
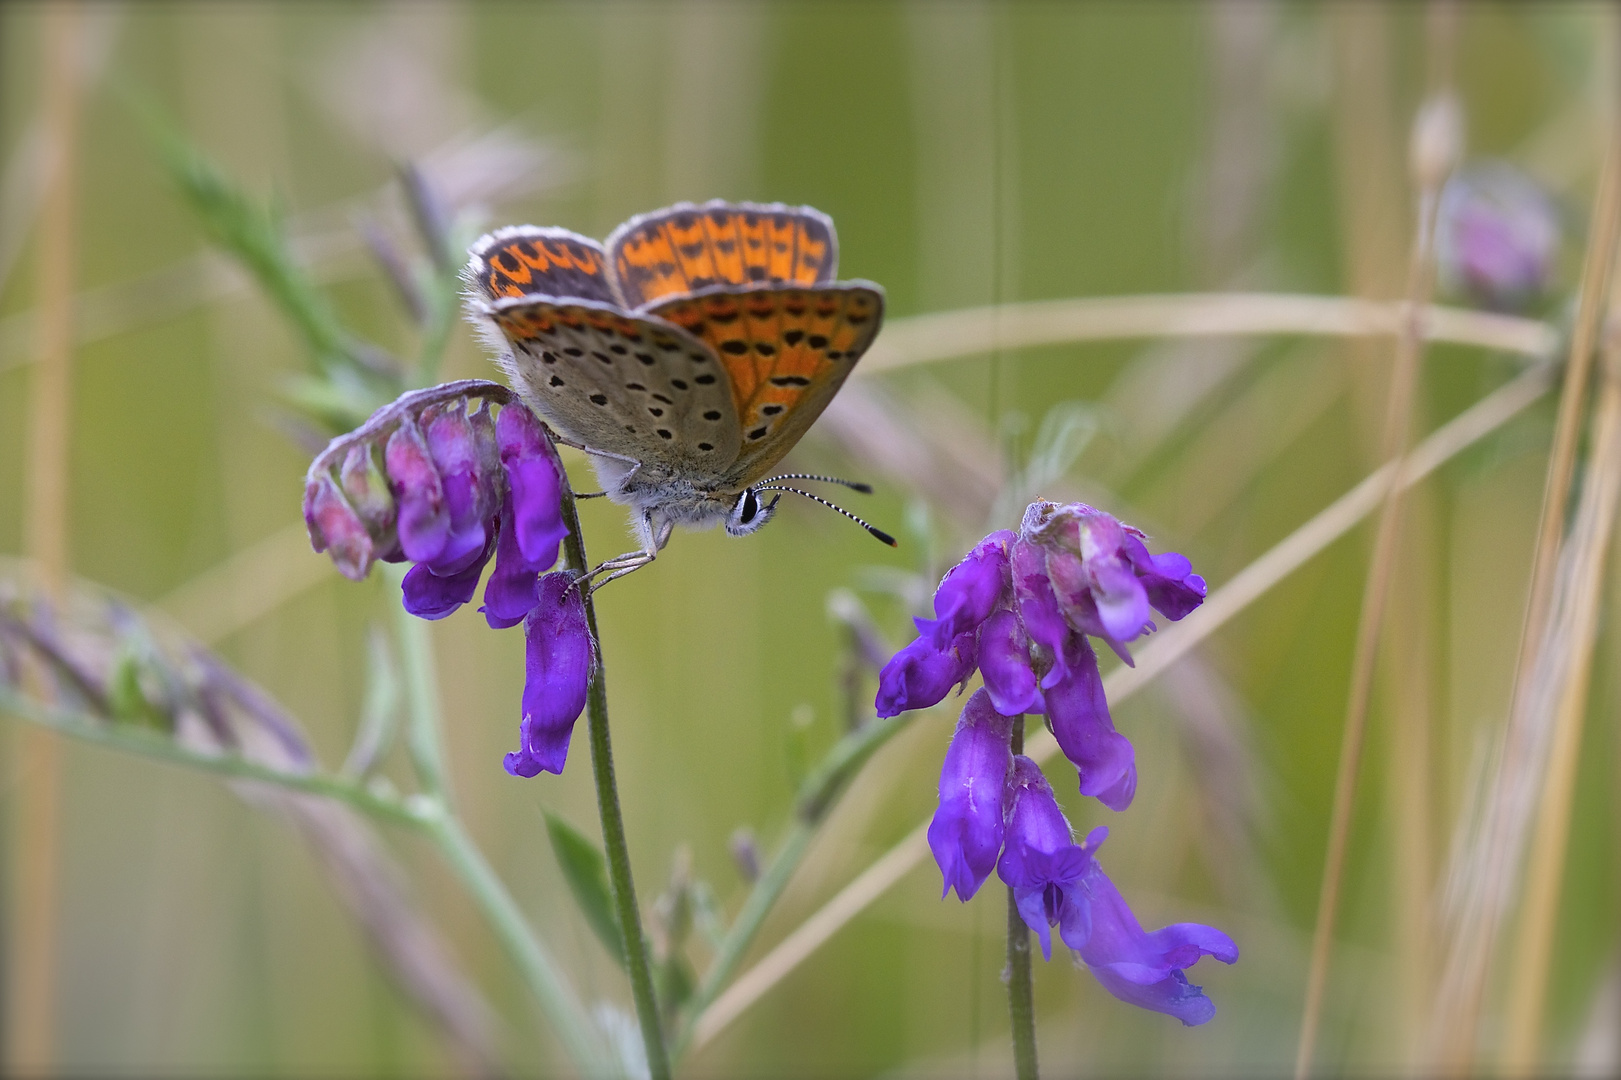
(1021, 993)
(613, 821)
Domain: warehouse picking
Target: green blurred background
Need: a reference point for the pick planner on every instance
(969, 154)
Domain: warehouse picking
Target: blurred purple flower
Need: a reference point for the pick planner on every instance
(558, 658)
(966, 833)
(1497, 237)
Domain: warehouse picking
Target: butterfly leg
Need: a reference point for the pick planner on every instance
(653, 537)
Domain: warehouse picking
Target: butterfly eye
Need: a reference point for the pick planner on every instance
(748, 505)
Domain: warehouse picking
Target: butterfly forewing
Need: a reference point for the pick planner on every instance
(524, 260)
(626, 384)
(687, 248)
(786, 350)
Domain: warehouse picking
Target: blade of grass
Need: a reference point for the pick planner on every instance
(1163, 650)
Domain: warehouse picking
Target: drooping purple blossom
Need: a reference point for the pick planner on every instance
(557, 674)
(1042, 863)
(1104, 759)
(966, 832)
(454, 489)
(1057, 882)
(1145, 968)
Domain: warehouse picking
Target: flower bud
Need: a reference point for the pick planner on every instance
(366, 488)
(334, 526)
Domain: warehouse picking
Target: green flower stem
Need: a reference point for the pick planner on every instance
(613, 822)
(423, 741)
(1021, 995)
(160, 746)
(556, 998)
(817, 796)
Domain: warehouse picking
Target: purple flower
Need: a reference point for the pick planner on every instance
(1038, 609)
(1042, 864)
(1057, 882)
(1020, 608)
(1004, 662)
(1146, 968)
(531, 519)
(1496, 237)
(920, 676)
(966, 833)
(335, 526)
(423, 522)
(557, 673)
(469, 491)
(1079, 715)
(970, 590)
(535, 479)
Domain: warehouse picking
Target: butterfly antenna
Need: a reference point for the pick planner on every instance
(879, 533)
(853, 485)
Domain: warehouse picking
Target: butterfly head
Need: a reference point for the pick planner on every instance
(749, 512)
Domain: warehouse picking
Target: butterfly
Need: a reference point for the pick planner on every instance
(687, 355)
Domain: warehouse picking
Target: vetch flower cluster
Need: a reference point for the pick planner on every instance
(443, 480)
(1020, 609)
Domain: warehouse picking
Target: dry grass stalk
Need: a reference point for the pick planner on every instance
(31, 991)
(1479, 879)
(1163, 650)
(949, 335)
(1563, 701)
(1435, 147)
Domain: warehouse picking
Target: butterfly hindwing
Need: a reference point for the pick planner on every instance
(622, 383)
(786, 349)
(688, 247)
(523, 260)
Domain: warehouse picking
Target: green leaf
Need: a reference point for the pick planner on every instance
(586, 872)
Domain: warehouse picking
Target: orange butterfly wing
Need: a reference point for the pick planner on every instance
(523, 260)
(787, 349)
(686, 248)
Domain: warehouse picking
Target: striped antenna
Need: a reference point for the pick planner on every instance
(879, 533)
(853, 485)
